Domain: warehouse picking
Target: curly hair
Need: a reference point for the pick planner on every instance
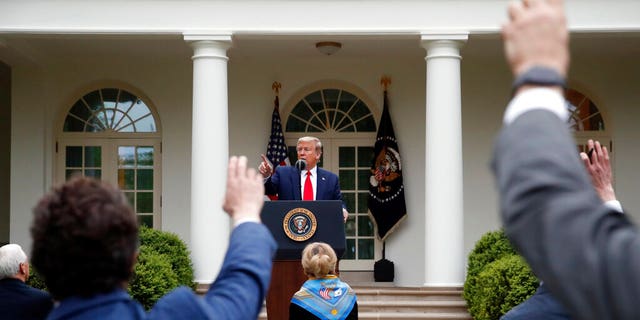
(319, 260)
(85, 237)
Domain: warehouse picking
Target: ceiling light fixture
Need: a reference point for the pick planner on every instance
(328, 47)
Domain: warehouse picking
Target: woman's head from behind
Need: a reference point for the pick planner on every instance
(319, 260)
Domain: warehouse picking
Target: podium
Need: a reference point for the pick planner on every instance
(294, 224)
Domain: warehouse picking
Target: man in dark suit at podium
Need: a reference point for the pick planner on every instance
(303, 182)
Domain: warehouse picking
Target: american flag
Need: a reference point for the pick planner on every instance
(325, 293)
(276, 149)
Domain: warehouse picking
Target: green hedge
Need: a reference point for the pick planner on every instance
(153, 277)
(174, 249)
(498, 279)
(35, 279)
(163, 264)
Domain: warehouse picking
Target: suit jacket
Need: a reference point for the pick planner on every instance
(587, 253)
(237, 293)
(285, 181)
(20, 301)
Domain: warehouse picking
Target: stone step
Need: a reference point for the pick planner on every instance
(412, 306)
(414, 316)
(407, 303)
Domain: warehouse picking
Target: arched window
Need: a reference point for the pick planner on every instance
(113, 134)
(586, 120)
(109, 109)
(341, 117)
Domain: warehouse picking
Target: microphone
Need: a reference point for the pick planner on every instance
(301, 164)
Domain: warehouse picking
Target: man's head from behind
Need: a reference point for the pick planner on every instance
(85, 238)
(13, 262)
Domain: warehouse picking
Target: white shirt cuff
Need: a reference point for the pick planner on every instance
(614, 205)
(536, 98)
(245, 220)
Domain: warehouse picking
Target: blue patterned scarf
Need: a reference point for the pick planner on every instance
(327, 298)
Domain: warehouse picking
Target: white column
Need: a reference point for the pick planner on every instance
(209, 154)
(444, 258)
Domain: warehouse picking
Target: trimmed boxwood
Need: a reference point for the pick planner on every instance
(35, 279)
(502, 285)
(163, 265)
(152, 278)
(174, 249)
(498, 279)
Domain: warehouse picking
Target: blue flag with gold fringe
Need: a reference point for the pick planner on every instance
(386, 188)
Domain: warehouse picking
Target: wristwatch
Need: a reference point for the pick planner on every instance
(540, 76)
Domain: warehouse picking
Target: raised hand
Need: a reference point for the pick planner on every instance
(265, 168)
(244, 196)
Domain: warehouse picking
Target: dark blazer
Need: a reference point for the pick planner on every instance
(20, 301)
(237, 293)
(587, 253)
(285, 181)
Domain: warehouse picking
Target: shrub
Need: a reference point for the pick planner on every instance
(497, 277)
(502, 285)
(36, 280)
(491, 247)
(163, 264)
(174, 249)
(153, 277)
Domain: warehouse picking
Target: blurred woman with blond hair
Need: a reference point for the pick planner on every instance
(324, 295)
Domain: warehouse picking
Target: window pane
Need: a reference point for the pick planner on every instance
(145, 156)
(316, 123)
(73, 156)
(295, 125)
(109, 95)
(367, 124)
(93, 157)
(81, 111)
(145, 124)
(347, 157)
(144, 202)
(95, 173)
(93, 100)
(363, 179)
(145, 179)
(350, 252)
(365, 249)
(350, 226)
(125, 179)
(292, 154)
(365, 226)
(347, 180)
(70, 173)
(145, 220)
(363, 202)
(131, 197)
(331, 97)
(315, 101)
(139, 110)
(125, 101)
(126, 156)
(359, 110)
(72, 124)
(346, 101)
(365, 156)
(349, 199)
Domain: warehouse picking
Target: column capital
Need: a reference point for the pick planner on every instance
(213, 46)
(444, 44)
(454, 39)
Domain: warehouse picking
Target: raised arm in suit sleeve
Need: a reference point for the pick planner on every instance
(588, 254)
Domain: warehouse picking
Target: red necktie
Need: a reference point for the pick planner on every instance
(308, 188)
